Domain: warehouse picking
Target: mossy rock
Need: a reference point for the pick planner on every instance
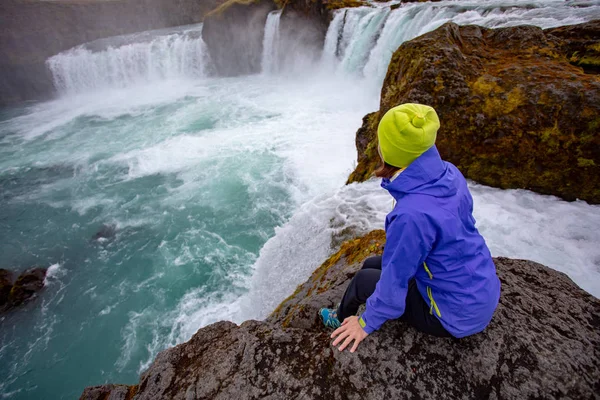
(326, 284)
(27, 284)
(337, 4)
(515, 111)
(222, 9)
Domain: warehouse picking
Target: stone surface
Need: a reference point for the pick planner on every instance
(543, 343)
(33, 30)
(519, 107)
(234, 34)
(106, 232)
(6, 279)
(110, 392)
(26, 285)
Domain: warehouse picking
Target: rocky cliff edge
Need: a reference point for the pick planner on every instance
(519, 107)
(543, 343)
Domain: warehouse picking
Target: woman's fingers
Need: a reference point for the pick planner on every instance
(345, 321)
(355, 345)
(338, 331)
(348, 340)
(343, 335)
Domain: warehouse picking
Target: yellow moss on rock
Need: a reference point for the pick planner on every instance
(336, 4)
(223, 7)
(514, 112)
(350, 253)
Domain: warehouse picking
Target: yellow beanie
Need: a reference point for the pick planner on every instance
(405, 132)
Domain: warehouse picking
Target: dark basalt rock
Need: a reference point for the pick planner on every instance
(26, 285)
(543, 343)
(6, 279)
(106, 232)
(234, 33)
(519, 106)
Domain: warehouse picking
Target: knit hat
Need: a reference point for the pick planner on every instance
(405, 132)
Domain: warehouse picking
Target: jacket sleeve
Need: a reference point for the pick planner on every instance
(409, 241)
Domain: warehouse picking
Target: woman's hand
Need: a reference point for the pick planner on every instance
(350, 330)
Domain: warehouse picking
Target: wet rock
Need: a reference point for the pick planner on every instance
(106, 232)
(544, 342)
(519, 106)
(6, 279)
(234, 34)
(110, 392)
(26, 286)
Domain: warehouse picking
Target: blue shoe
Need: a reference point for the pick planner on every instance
(329, 317)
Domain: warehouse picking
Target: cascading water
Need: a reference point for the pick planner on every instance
(271, 42)
(174, 54)
(363, 39)
(333, 38)
(223, 193)
(356, 52)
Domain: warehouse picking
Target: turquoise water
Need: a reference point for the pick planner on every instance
(163, 201)
(188, 180)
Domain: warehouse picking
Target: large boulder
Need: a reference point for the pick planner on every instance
(519, 106)
(27, 284)
(543, 343)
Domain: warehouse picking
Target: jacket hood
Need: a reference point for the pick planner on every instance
(428, 175)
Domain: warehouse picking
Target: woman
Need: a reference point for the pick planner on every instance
(436, 272)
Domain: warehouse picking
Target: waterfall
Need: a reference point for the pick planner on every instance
(363, 39)
(128, 60)
(333, 37)
(270, 54)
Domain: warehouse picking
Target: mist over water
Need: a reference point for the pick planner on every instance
(216, 196)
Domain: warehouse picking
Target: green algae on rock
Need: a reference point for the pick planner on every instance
(519, 106)
(543, 342)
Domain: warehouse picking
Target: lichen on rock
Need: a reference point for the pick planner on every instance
(519, 106)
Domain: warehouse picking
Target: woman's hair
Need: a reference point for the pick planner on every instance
(386, 170)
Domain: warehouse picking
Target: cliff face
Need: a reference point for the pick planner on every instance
(519, 107)
(544, 342)
(33, 30)
(234, 33)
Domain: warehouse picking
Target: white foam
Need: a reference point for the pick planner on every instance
(171, 56)
(515, 223)
(271, 42)
(53, 273)
(362, 26)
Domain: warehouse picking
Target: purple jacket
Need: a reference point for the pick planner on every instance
(431, 236)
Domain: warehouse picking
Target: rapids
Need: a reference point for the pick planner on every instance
(223, 193)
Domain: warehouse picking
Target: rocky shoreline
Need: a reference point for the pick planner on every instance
(544, 342)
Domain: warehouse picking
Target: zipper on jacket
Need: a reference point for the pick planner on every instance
(433, 303)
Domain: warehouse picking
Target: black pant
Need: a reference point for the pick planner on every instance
(362, 286)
